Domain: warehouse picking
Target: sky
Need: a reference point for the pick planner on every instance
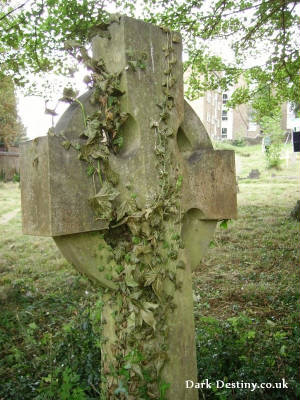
(31, 109)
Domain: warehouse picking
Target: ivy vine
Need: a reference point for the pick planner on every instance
(144, 243)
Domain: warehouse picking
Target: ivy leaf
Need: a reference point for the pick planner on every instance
(66, 144)
(101, 152)
(150, 278)
(121, 389)
(160, 361)
(125, 208)
(147, 305)
(224, 224)
(92, 130)
(131, 321)
(148, 317)
(102, 201)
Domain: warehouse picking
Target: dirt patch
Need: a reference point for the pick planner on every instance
(8, 216)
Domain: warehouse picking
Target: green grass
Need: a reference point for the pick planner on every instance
(46, 337)
(247, 288)
(246, 308)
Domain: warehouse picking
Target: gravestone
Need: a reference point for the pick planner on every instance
(254, 174)
(136, 213)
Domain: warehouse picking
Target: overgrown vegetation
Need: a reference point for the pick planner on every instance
(12, 131)
(247, 289)
(246, 301)
(262, 31)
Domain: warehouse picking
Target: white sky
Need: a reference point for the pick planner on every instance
(31, 109)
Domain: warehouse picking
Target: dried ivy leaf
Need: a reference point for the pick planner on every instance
(69, 95)
(148, 317)
(131, 321)
(157, 287)
(108, 191)
(102, 208)
(51, 132)
(147, 305)
(127, 207)
(160, 361)
(154, 124)
(134, 226)
(122, 210)
(133, 64)
(66, 144)
(176, 38)
(100, 152)
(137, 369)
(130, 281)
(150, 277)
(91, 130)
(102, 201)
(138, 250)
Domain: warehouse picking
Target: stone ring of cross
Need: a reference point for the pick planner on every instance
(159, 196)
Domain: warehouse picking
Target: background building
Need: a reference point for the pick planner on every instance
(209, 110)
(224, 123)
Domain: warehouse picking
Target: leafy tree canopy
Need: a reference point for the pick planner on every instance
(33, 34)
(12, 130)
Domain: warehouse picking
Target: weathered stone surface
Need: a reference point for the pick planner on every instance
(55, 185)
(55, 190)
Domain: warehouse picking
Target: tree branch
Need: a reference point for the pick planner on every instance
(12, 11)
(258, 25)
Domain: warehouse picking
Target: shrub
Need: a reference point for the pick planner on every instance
(273, 156)
(238, 142)
(16, 177)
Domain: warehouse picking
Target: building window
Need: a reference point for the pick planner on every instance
(224, 115)
(225, 98)
(252, 126)
(224, 133)
(208, 117)
(208, 97)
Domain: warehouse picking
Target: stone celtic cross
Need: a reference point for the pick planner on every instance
(159, 188)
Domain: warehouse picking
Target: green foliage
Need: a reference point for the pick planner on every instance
(239, 142)
(61, 363)
(224, 224)
(273, 155)
(33, 36)
(11, 129)
(271, 128)
(266, 28)
(16, 177)
(237, 346)
(248, 285)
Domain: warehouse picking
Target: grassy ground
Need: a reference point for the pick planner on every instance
(246, 296)
(247, 287)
